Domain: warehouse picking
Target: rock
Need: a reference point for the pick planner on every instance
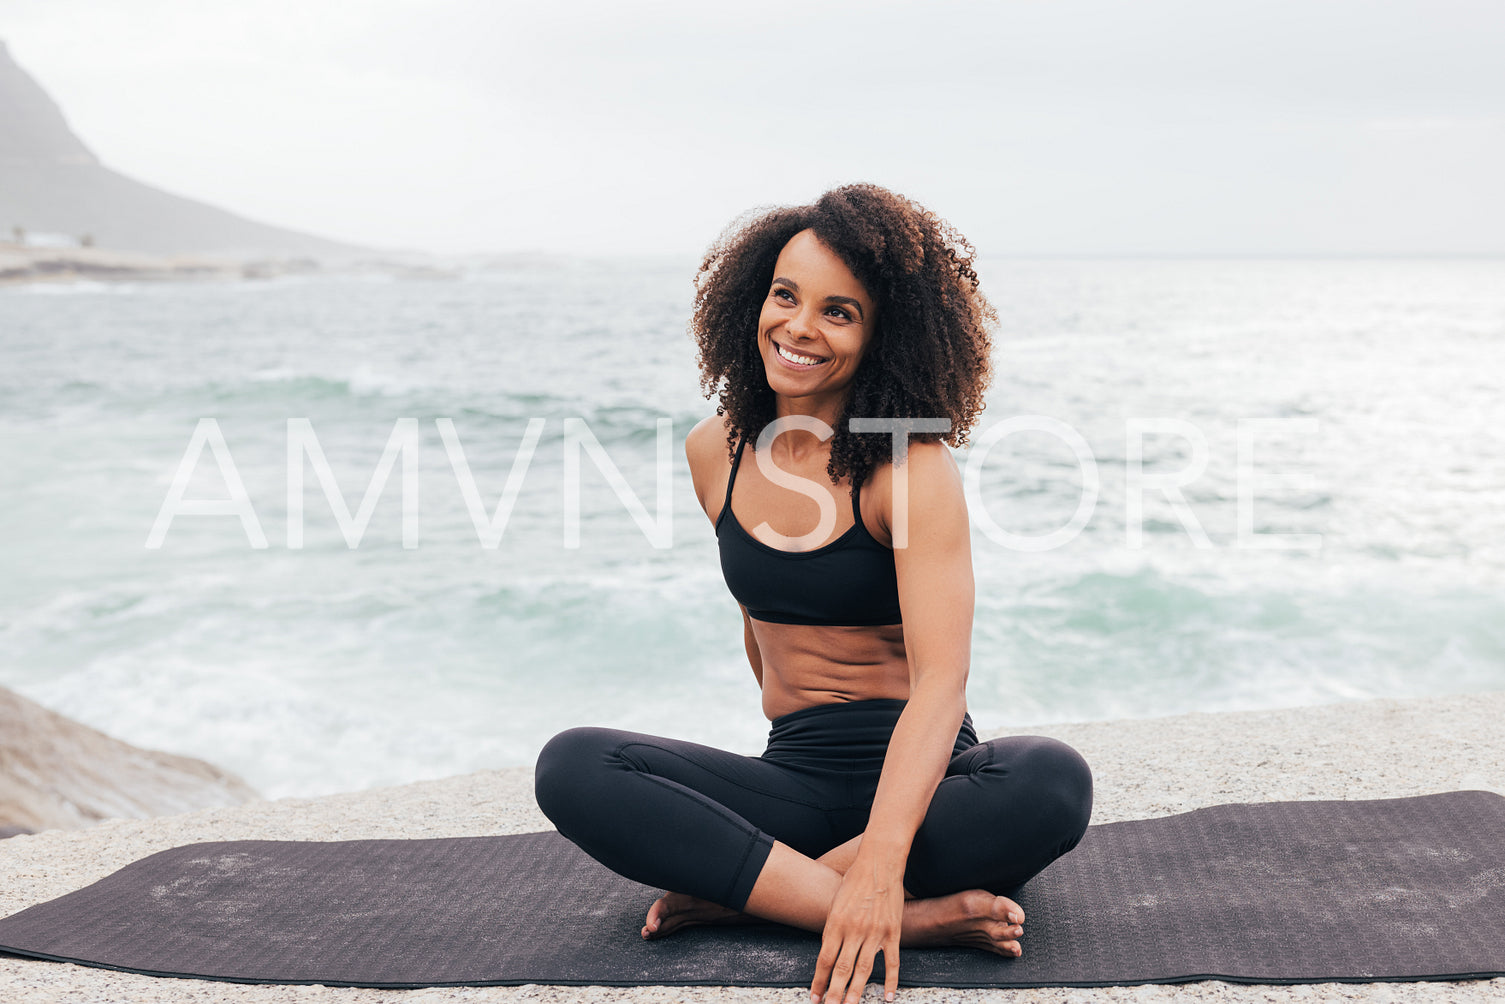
(56, 773)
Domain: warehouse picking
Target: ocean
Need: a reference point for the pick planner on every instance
(1199, 485)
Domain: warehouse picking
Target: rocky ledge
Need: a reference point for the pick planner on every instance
(56, 773)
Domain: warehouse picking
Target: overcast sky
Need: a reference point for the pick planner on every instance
(1083, 127)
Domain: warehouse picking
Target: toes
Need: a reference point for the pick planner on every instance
(655, 918)
(1006, 909)
(1008, 942)
(1010, 948)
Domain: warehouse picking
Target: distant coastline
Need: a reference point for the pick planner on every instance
(23, 264)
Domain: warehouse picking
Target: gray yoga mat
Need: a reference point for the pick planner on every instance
(1277, 892)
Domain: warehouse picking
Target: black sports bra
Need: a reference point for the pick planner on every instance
(849, 581)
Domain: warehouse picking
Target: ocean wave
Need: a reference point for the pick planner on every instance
(76, 287)
(337, 667)
(360, 382)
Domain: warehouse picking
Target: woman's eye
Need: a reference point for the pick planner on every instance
(783, 293)
(841, 313)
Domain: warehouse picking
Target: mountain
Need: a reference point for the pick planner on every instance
(50, 182)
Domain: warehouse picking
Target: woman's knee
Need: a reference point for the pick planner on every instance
(1039, 776)
(1010, 807)
(1061, 783)
(571, 770)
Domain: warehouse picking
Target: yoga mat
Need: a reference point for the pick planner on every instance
(1277, 892)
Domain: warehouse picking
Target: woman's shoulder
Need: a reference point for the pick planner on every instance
(932, 485)
(931, 463)
(705, 449)
(706, 440)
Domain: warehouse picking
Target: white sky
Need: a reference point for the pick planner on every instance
(1079, 127)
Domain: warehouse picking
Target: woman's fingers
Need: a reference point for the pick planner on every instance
(862, 970)
(841, 973)
(824, 963)
(834, 968)
(844, 966)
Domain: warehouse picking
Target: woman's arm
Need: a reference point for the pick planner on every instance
(705, 449)
(936, 597)
(705, 445)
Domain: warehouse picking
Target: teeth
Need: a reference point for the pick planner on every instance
(794, 358)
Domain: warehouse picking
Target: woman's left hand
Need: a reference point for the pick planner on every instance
(865, 918)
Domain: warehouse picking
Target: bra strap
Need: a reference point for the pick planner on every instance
(726, 503)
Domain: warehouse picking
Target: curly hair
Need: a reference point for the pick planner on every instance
(929, 356)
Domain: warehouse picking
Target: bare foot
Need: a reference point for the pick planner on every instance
(974, 918)
(674, 910)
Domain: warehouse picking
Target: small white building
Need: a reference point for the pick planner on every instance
(44, 240)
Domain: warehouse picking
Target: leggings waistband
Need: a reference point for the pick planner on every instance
(846, 735)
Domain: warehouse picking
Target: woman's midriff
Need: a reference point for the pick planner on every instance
(805, 665)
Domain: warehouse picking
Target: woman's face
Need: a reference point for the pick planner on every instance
(816, 322)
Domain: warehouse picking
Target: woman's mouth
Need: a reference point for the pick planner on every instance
(796, 359)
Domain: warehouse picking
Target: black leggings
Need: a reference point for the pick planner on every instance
(697, 820)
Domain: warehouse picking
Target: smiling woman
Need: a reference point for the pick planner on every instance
(891, 273)
(874, 816)
(813, 340)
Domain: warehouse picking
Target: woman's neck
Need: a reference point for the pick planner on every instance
(799, 443)
(826, 409)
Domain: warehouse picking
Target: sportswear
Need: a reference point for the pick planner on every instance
(848, 581)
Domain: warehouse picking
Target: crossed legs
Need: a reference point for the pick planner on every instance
(733, 834)
(974, 845)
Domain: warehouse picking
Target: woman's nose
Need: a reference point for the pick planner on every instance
(800, 323)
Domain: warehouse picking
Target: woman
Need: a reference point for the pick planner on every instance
(874, 816)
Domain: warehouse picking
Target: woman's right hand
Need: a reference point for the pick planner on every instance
(866, 917)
